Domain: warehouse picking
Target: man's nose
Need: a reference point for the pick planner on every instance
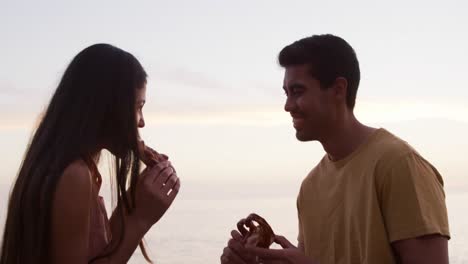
(289, 105)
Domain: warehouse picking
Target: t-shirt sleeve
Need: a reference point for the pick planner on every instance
(413, 199)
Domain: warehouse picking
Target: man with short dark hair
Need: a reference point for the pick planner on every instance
(372, 198)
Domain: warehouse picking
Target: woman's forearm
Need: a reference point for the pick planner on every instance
(133, 234)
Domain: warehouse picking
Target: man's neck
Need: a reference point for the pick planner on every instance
(345, 138)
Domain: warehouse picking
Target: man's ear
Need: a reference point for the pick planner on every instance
(340, 89)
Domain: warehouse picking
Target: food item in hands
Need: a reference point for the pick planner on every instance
(149, 156)
(258, 232)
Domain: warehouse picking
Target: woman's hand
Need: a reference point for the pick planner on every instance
(156, 189)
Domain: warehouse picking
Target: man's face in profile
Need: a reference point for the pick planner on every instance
(308, 104)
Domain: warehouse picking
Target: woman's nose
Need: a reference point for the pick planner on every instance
(141, 123)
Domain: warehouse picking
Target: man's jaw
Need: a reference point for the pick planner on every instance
(298, 120)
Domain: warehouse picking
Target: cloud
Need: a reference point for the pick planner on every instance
(182, 95)
(268, 113)
(257, 116)
(203, 80)
(396, 110)
(190, 78)
(251, 113)
(180, 82)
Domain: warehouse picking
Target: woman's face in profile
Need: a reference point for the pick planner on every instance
(140, 99)
(140, 102)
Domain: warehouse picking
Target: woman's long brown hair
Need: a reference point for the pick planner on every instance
(93, 103)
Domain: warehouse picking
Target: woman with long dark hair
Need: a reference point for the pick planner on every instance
(55, 214)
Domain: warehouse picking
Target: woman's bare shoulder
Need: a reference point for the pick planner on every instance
(71, 214)
(76, 169)
(75, 184)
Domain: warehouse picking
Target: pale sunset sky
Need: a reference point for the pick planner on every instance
(214, 97)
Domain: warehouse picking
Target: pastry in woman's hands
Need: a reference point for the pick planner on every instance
(149, 156)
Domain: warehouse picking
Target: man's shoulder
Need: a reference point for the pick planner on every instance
(392, 153)
(388, 147)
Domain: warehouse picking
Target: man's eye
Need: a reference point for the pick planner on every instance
(296, 91)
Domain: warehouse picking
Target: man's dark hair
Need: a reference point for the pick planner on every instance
(328, 57)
